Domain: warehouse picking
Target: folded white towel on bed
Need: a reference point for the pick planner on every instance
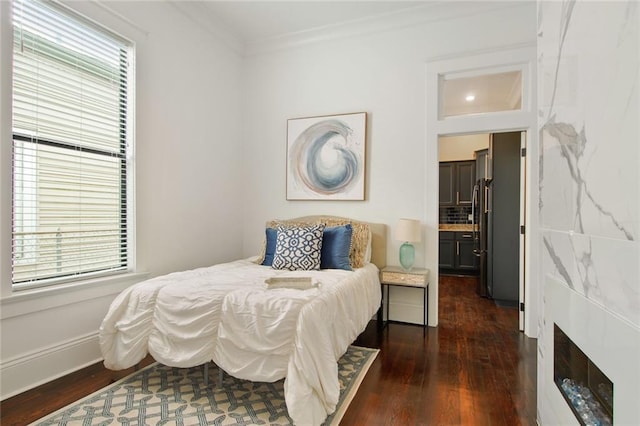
(300, 283)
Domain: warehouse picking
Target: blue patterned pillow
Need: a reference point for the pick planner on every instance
(298, 248)
(336, 245)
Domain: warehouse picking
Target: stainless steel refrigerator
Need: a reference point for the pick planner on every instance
(496, 215)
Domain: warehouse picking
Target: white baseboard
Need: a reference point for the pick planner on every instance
(46, 364)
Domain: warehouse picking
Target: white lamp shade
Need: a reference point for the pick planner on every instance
(409, 230)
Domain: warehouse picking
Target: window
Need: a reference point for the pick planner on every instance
(71, 141)
(477, 94)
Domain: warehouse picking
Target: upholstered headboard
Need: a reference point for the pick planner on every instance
(378, 235)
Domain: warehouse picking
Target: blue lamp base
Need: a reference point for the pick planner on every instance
(407, 256)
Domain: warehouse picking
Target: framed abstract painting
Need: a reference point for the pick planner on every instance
(326, 157)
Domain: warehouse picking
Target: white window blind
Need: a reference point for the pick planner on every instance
(71, 85)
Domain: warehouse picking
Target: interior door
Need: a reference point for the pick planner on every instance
(505, 218)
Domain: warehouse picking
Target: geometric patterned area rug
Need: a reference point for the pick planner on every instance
(161, 395)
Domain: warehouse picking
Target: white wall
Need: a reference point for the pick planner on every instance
(383, 74)
(463, 147)
(211, 146)
(188, 184)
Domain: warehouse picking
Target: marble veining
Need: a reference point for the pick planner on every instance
(567, 9)
(557, 261)
(586, 265)
(589, 186)
(588, 176)
(572, 148)
(589, 183)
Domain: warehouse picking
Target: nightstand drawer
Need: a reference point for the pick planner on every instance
(403, 278)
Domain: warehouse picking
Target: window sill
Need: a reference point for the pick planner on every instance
(38, 299)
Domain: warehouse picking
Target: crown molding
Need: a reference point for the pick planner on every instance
(430, 11)
(110, 10)
(203, 17)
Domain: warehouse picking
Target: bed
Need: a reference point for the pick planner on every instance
(251, 317)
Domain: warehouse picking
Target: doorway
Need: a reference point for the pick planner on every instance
(480, 232)
(520, 117)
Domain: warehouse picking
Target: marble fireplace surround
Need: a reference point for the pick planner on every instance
(611, 343)
(589, 206)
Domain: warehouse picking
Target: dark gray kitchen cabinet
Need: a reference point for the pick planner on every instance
(456, 182)
(482, 164)
(447, 184)
(466, 176)
(466, 260)
(456, 252)
(447, 250)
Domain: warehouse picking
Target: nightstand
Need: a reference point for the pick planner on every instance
(396, 276)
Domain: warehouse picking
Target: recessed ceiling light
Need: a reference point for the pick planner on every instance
(470, 98)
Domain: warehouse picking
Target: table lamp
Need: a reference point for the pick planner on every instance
(408, 231)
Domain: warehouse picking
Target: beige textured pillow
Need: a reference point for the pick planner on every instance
(263, 250)
(360, 238)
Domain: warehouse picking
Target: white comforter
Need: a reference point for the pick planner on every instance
(225, 313)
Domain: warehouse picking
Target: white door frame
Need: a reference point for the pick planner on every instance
(521, 57)
(523, 236)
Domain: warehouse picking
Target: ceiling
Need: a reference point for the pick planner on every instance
(249, 25)
(253, 21)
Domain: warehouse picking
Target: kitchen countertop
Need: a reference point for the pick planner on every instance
(460, 227)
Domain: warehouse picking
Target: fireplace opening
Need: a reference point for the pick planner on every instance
(587, 390)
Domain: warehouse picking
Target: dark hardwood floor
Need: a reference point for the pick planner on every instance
(475, 368)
